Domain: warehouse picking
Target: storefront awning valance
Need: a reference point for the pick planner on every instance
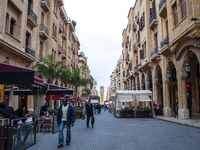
(10, 74)
(19, 91)
(57, 90)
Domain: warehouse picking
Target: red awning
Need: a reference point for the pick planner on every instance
(58, 97)
(10, 74)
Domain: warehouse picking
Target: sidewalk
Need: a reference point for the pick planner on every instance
(194, 122)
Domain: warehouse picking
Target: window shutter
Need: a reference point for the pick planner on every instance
(141, 54)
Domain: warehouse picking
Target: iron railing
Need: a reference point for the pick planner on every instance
(161, 4)
(47, 2)
(152, 17)
(153, 52)
(60, 47)
(30, 50)
(61, 25)
(65, 33)
(164, 42)
(44, 28)
(42, 58)
(32, 14)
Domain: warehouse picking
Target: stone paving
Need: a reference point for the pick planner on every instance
(112, 133)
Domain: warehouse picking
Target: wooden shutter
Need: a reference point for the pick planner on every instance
(141, 54)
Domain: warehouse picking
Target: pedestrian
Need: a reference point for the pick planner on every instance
(176, 111)
(65, 116)
(95, 108)
(155, 108)
(104, 108)
(90, 113)
(43, 110)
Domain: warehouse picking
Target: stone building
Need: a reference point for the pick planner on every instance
(30, 31)
(161, 46)
(101, 95)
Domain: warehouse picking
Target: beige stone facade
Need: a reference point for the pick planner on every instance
(161, 53)
(101, 95)
(29, 31)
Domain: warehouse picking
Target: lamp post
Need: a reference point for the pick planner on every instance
(187, 68)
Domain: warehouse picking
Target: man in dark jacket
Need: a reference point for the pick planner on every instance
(66, 116)
(90, 113)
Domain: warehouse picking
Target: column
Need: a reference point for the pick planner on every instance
(183, 112)
(167, 109)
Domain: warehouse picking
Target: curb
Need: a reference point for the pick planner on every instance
(190, 125)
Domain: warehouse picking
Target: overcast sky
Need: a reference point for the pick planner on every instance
(100, 24)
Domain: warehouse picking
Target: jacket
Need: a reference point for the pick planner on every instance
(70, 114)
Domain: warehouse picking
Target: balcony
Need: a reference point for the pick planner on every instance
(72, 47)
(44, 32)
(137, 18)
(137, 67)
(42, 58)
(154, 55)
(164, 42)
(45, 5)
(60, 28)
(134, 27)
(74, 51)
(135, 48)
(32, 18)
(138, 41)
(63, 55)
(30, 51)
(162, 9)
(128, 74)
(59, 48)
(153, 22)
(64, 35)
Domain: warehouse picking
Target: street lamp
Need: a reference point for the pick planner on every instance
(187, 67)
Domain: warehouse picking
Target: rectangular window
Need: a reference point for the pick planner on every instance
(175, 15)
(183, 8)
(28, 39)
(7, 22)
(12, 24)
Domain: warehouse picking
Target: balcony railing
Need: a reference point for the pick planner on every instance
(128, 74)
(30, 50)
(64, 52)
(60, 47)
(45, 4)
(134, 26)
(161, 4)
(32, 14)
(44, 30)
(42, 58)
(153, 52)
(164, 42)
(152, 17)
(137, 66)
(60, 27)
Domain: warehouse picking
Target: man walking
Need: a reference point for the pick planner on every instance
(90, 113)
(66, 116)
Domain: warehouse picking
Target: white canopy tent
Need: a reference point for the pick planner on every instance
(132, 95)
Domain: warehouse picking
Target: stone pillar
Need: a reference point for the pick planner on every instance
(183, 112)
(167, 109)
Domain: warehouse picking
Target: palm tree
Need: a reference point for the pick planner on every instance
(76, 80)
(50, 70)
(86, 91)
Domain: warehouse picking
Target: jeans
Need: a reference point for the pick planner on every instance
(88, 118)
(68, 134)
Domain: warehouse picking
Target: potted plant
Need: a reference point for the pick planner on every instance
(78, 113)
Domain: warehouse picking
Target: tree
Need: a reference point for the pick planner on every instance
(96, 97)
(50, 69)
(74, 23)
(76, 80)
(86, 91)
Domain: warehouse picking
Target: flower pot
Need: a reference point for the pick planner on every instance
(78, 116)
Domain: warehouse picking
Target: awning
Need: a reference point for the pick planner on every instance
(27, 89)
(19, 91)
(57, 90)
(15, 75)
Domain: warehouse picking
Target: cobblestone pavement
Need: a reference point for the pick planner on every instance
(112, 133)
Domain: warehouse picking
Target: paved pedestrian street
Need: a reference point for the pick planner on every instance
(112, 133)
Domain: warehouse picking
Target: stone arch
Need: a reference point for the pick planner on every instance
(191, 78)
